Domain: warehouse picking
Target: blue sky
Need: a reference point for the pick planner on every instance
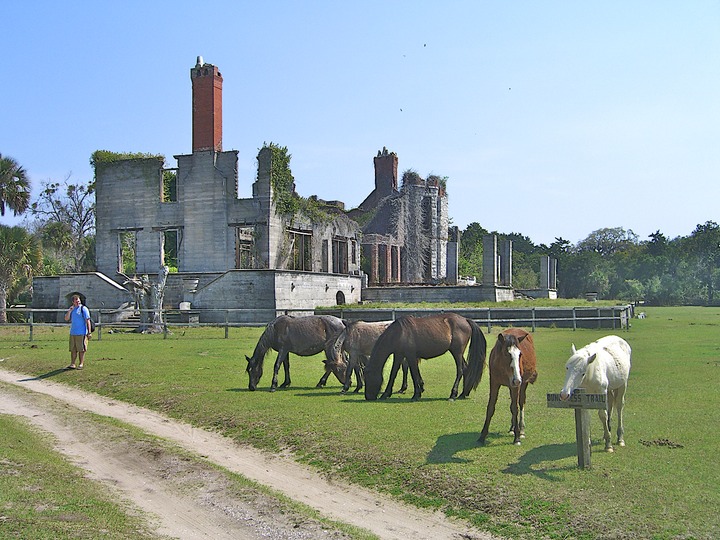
(550, 119)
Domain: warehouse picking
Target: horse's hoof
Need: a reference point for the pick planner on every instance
(610, 449)
(273, 389)
(621, 443)
(481, 441)
(517, 443)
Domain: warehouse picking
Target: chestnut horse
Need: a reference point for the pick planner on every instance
(602, 367)
(413, 338)
(512, 364)
(304, 336)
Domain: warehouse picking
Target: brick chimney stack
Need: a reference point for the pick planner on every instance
(386, 173)
(206, 107)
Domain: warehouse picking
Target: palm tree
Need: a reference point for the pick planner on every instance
(14, 186)
(20, 255)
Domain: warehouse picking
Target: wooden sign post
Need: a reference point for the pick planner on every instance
(582, 403)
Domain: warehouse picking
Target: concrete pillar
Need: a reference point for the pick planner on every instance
(490, 261)
(374, 269)
(506, 263)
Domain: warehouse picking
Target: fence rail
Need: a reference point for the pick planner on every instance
(611, 317)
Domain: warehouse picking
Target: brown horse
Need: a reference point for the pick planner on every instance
(304, 336)
(357, 342)
(412, 338)
(512, 364)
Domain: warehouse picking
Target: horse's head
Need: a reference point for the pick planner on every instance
(335, 359)
(338, 367)
(575, 370)
(373, 377)
(254, 370)
(510, 351)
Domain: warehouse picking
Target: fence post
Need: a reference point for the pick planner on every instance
(31, 325)
(99, 325)
(533, 319)
(227, 329)
(574, 321)
(582, 438)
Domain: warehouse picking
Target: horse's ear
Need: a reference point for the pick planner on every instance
(521, 338)
(592, 358)
(247, 358)
(572, 348)
(501, 338)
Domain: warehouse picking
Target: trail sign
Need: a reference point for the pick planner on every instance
(578, 400)
(582, 403)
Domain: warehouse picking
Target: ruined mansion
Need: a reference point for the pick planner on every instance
(250, 259)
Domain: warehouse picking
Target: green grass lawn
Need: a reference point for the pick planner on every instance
(425, 452)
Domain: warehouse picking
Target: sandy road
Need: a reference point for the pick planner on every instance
(179, 515)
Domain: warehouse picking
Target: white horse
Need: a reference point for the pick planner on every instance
(602, 367)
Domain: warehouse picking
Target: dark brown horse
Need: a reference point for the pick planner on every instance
(512, 364)
(304, 336)
(412, 338)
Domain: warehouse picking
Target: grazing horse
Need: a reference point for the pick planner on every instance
(602, 367)
(357, 341)
(413, 338)
(512, 364)
(304, 336)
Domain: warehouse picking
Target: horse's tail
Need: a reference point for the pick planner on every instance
(476, 359)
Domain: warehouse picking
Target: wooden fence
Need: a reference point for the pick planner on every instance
(610, 317)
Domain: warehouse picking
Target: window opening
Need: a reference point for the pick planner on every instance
(171, 239)
(244, 247)
(300, 251)
(169, 186)
(340, 256)
(127, 252)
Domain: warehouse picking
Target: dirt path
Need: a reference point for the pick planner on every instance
(209, 511)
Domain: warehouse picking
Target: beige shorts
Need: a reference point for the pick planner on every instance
(78, 343)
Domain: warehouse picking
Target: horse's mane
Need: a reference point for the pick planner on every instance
(264, 344)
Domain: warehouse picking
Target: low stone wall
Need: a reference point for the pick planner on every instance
(609, 317)
(54, 292)
(415, 294)
(260, 295)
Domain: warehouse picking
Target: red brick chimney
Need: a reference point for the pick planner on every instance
(206, 107)
(386, 175)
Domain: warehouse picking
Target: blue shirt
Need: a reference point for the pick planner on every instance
(78, 316)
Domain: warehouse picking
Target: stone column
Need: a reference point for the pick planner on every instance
(506, 263)
(490, 264)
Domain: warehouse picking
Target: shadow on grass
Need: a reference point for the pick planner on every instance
(529, 462)
(447, 446)
(47, 375)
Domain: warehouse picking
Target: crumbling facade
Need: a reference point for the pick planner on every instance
(405, 238)
(254, 255)
(198, 224)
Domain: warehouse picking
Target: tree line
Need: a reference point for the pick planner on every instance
(612, 262)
